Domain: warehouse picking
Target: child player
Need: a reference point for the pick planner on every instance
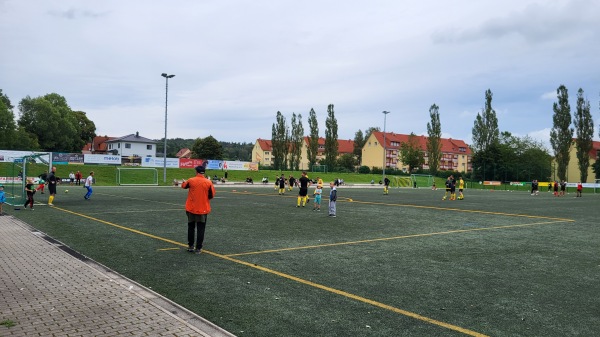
(386, 186)
(282, 185)
(332, 200)
(30, 192)
(448, 187)
(317, 193)
(2, 198)
(461, 186)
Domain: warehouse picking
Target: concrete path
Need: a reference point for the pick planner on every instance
(48, 290)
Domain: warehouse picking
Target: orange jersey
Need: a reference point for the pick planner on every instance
(201, 190)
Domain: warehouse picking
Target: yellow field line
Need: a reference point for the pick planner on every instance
(428, 207)
(163, 249)
(294, 278)
(393, 238)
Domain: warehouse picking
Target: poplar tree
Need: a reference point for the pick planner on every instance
(279, 141)
(434, 142)
(296, 142)
(331, 138)
(561, 134)
(584, 127)
(313, 140)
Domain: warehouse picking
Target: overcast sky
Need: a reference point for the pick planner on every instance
(239, 62)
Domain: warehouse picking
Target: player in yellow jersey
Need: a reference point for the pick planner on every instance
(461, 186)
(386, 186)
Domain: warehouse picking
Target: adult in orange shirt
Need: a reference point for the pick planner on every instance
(197, 207)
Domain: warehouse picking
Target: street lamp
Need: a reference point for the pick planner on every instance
(165, 149)
(384, 154)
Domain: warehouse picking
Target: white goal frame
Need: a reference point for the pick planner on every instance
(155, 176)
(430, 179)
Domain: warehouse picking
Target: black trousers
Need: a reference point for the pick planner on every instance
(201, 227)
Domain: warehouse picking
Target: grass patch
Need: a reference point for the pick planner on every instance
(8, 323)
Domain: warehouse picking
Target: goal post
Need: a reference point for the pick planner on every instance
(319, 168)
(140, 176)
(421, 180)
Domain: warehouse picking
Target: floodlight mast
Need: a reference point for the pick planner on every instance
(166, 104)
(385, 113)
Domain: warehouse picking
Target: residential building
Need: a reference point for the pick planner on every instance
(456, 154)
(184, 153)
(132, 145)
(263, 151)
(97, 146)
(573, 174)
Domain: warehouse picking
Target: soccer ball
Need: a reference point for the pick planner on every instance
(66, 191)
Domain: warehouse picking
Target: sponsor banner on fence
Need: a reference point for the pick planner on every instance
(190, 163)
(240, 166)
(10, 156)
(492, 183)
(101, 159)
(214, 165)
(59, 158)
(11, 180)
(160, 162)
(518, 183)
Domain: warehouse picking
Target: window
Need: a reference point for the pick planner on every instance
(267, 153)
(128, 145)
(109, 146)
(148, 147)
(119, 145)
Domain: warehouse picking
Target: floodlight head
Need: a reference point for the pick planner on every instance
(385, 112)
(163, 74)
(170, 76)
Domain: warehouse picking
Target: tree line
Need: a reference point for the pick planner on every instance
(496, 155)
(47, 123)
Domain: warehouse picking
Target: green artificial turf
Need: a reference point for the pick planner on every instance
(497, 263)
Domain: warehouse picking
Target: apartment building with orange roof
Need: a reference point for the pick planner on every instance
(456, 154)
(262, 152)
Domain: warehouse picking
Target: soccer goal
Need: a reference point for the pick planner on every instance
(421, 180)
(319, 168)
(141, 176)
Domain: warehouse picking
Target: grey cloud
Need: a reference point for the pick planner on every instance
(537, 23)
(73, 14)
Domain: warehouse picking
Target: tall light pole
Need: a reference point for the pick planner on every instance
(165, 149)
(384, 154)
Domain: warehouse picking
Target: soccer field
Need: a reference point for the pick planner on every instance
(404, 264)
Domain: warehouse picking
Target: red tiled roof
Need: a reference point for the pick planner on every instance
(98, 144)
(265, 145)
(184, 153)
(344, 146)
(449, 145)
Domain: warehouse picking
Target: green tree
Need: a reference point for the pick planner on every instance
(52, 121)
(87, 128)
(313, 140)
(279, 142)
(296, 139)
(359, 142)
(331, 138)
(434, 139)
(411, 154)
(24, 141)
(7, 123)
(584, 128)
(207, 148)
(485, 139)
(347, 162)
(561, 134)
(369, 132)
(485, 131)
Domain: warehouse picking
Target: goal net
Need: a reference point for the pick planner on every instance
(319, 168)
(137, 176)
(421, 180)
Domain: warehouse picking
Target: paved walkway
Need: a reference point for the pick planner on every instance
(45, 291)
